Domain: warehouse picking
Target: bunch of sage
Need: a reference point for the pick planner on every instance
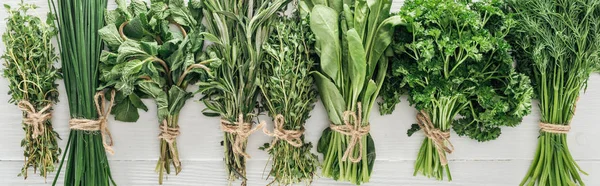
(29, 67)
(453, 60)
(80, 46)
(289, 96)
(351, 39)
(238, 30)
(146, 59)
(557, 43)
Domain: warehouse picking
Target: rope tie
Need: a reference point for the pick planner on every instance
(100, 124)
(279, 133)
(554, 128)
(356, 133)
(440, 139)
(242, 131)
(169, 134)
(34, 118)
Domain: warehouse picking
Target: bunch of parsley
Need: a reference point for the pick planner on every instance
(557, 44)
(453, 61)
(351, 39)
(287, 89)
(29, 67)
(238, 30)
(147, 59)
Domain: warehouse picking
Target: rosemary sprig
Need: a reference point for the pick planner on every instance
(80, 46)
(29, 67)
(288, 91)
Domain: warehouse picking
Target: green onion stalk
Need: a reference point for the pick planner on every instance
(558, 46)
(352, 37)
(238, 30)
(80, 46)
(29, 61)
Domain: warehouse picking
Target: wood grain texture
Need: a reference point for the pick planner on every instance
(500, 162)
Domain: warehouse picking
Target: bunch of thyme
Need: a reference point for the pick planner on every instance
(29, 67)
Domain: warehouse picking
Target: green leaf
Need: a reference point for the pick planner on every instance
(382, 40)
(357, 66)
(137, 102)
(330, 96)
(125, 111)
(110, 35)
(159, 96)
(324, 24)
(177, 98)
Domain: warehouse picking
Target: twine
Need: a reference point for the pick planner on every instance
(555, 128)
(242, 131)
(100, 124)
(440, 139)
(279, 133)
(356, 133)
(169, 134)
(34, 118)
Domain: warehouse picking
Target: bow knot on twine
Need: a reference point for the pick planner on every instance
(169, 134)
(100, 124)
(293, 137)
(242, 131)
(34, 118)
(440, 139)
(356, 132)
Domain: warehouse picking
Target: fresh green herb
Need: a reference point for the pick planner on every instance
(558, 45)
(147, 59)
(351, 38)
(29, 67)
(289, 96)
(238, 30)
(453, 60)
(80, 45)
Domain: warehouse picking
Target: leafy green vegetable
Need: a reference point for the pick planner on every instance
(29, 67)
(239, 29)
(351, 38)
(558, 46)
(287, 88)
(148, 59)
(452, 60)
(80, 46)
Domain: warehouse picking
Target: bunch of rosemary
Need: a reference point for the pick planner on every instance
(80, 45)
(238, 30)
(146, 59)
(29, 67)
(289, 96)
(558, 46)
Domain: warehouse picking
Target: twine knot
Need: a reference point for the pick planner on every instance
(242, 131)
(34, 118)
(356, 133)
(440, 139)
(555, 128)
(293, 137)
(169, 134)
(100, 124)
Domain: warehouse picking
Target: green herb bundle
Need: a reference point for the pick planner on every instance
(29, 67)
(558, 45)
(351, 38)
(289, 96)
(80, 46)
(147, 59)
(238, 29)
(453, 61)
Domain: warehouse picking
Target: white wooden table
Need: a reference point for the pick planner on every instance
(500, 162)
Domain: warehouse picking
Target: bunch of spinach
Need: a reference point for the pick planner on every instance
(351, 39)
(238, 30)
(29, 67)
(453, 61)
(147, 59)
(289, 96)
(557, 44)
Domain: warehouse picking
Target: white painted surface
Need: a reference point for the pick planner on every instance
(500, 162)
